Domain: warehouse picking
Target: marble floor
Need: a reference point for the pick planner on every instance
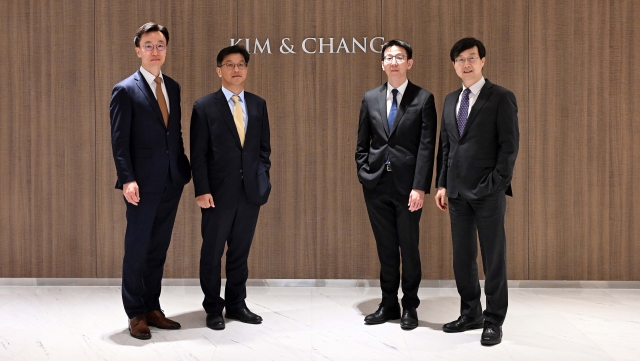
(317, 323)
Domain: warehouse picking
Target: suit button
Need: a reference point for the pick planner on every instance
(167, 133)
(167, 151)
(240, 170)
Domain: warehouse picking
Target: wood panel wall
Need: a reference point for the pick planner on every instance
(47, 139)
(570, 64)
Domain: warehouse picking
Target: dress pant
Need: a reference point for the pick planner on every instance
(146, 241)
(397, 233)
(234, 225)
(483, 217)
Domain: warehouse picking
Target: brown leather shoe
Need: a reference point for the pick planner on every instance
(156, 319)
(139, 329)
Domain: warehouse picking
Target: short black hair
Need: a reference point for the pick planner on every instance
(150, 27)
(233, 49)
(466, 44)
(400, 43)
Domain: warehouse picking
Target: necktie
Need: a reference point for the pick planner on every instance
(162, 102)
(394, 109)
(463, 112)
(238, 118)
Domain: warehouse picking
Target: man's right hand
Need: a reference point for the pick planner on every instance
(205, 201)
(441, 199)
(131, 192)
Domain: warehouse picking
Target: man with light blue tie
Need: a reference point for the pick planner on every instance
(394, 157)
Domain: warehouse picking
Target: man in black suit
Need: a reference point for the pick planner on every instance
(478, 147)
(394, 157)
(152, 170)
(230, 151)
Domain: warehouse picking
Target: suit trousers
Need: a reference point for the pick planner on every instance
(146, 241)
(234, 225)
(397, 233)
(483, 217)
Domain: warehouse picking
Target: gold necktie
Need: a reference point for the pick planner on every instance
(238, 118)
(162, 102)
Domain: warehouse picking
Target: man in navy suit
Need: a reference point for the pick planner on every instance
(148, 151)
(394, 157)
(230, 151)
(479, 140)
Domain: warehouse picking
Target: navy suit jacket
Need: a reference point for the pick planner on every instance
(481, 160)
(220, 164)
(144, 150)
(410, 145)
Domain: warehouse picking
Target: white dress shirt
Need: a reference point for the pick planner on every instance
(473, 95)
(150, 78)
(401, 90)
(228, 94)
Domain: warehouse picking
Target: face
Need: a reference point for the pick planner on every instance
(152, 60)
(396, 69)
(232, 76)
(468, 66)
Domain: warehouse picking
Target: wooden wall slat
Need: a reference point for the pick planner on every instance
(570, 172)
(315, 224)
(624, 143)
(197, 31)
(502, 27)
(47, 151)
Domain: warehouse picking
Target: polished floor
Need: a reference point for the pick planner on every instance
(49, 322)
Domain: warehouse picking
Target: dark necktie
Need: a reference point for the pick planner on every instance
(394, 109)
(463, 112)
(162, 101)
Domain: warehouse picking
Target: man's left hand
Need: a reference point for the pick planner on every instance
(416, 199)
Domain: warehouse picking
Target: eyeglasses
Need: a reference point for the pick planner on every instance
(399, 58)
(471, 60)
(231, 66)
(149, 47)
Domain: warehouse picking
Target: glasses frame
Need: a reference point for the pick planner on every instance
(388, 59)
(232, 66)
(472, 60)
(156, 46)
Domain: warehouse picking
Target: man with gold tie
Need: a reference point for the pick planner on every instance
(230, 151)
(152, 170)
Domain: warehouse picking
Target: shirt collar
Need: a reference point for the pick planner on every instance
(228, 94)
(475, 88)
(150, 78)
(401, 88)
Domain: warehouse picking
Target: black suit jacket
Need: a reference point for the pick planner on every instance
(481, 160)
(410, 145)
(143, 148)
(220, 164)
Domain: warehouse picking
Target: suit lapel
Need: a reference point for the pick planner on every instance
(407, 98)
(148, 93)
(252, 118)
(382, 106)
(172, 92)
(227, 118)
(485, 93)
(450, 113)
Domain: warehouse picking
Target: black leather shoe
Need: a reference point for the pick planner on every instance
(464, 323)
(383, 314)
(215, 321)
(491, 335)
(409, 319)
(243, 315)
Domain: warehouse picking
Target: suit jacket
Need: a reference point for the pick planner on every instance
(410, 145)
(220, 164)
(481, 160)
(144, 150)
